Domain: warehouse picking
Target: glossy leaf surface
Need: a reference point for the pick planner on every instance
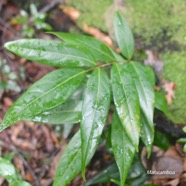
(122, 147)
(126, 100)
(147, 132)
(69, 112)
(47, 93)
(94, 112)
(7, 169)
(70, 163)
(52, 53)
(124, 36)
(98, 49)
(144, 86)
(144, 83)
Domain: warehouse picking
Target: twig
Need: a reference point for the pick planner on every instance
(1, 4)
(50, 6)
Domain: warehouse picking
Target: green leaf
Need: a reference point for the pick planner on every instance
(144, 83)
(144, 87)
(160, 102)
(52, 53)
(69, 112)
(94, 113)
(147, 132)
(20, 183)
(122, 147)
(99, 50)
(124, 36)
(7, 169)
(162, 140)
(126, 100)
(105, 175)
(70, 163)
(49, 92)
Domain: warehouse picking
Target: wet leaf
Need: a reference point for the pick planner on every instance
(122, 147)
(144, 82)
(124, 36)
(99, 50)
(70, 163)
(94, 113)
(160, 102)
(126, 101)
(147, 132)
(69, 112)
(49, 92)
(7, 169)
(53, 53)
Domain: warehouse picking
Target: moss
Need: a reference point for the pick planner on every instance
(92, 12)
(158, 20)
(175, 71)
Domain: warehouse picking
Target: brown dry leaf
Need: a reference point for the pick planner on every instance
(153, 61)
(98, 34)
(169, 88)
(7, 102)
(173, 152)
(71, 12)
(173, 182)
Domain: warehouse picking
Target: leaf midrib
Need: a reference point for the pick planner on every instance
(96, 49)
(45, 94)
(71, 162)
(140, 82)
(124, 38)
(123, 90)
(73, 56)
(91, 132)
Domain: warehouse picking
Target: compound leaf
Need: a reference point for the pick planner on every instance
(94, 113)
(53, 53)
(126, 101)
(124, 36)
(49, 92)
(123, 149)
(99, 50)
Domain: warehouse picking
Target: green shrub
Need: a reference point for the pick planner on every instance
(106, 80)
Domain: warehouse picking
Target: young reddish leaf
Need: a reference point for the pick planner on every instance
(126, 101)
(53, 53)
(122, 147)
(49, 92)
(124, 36)
(94, 113)
(99, 50)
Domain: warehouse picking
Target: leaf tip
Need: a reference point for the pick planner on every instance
(7, 45)
(83, 173)
(149, 150)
